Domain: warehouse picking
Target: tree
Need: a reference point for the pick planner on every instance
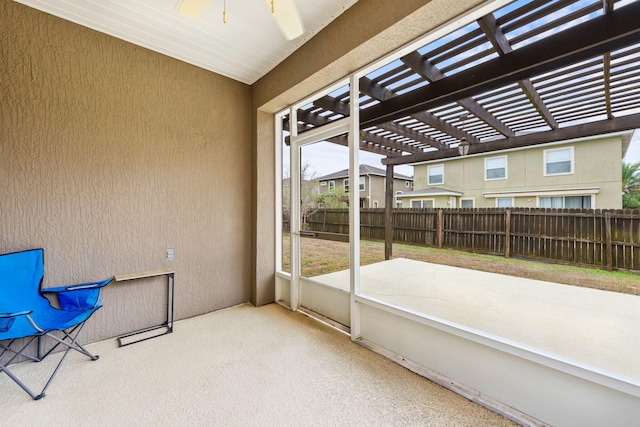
(308, 194)
(337, 198)
(630, 177)
(631, 201)
(631, 185)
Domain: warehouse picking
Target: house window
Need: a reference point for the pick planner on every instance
(422, 203)
(566, 202)
(362, 183)
(558, 161)
(495, 168)
(323, 183)
(398, 199)
(406, 184)
(504, 202)
(345, 184)
(436, 174)
(332, 185)
(467, 203)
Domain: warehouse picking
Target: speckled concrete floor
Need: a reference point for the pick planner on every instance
(242, 366)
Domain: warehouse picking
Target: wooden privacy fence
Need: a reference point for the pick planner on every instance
(589, 237)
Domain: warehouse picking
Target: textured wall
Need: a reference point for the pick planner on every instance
(109, 154)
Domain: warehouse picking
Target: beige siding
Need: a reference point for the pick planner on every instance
(109, 155)
(597, 163)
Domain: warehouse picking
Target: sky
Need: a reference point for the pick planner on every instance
(633, 153)
(325, 158)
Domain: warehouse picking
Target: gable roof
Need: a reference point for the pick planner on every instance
(364, 170)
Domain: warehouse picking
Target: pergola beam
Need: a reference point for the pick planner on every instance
(415, 135)
(377, 91)
(501, 44)
(607, 83)
(598, 36)
(578, 131)
(385, 141)
(367, 146)
(430, 72)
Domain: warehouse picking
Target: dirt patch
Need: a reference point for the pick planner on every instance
(323, 256)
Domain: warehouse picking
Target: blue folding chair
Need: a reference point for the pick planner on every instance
(26, 313)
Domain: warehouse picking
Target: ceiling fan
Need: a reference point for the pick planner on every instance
(284, 12)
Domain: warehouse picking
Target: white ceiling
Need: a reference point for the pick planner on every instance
(246, 48)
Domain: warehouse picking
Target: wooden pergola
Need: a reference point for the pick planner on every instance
(532, 72)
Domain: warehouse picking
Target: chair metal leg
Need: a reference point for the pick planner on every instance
(72, 341)
(20, 352)
(20, 383)
(71, 345)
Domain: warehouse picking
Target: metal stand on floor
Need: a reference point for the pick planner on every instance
(168, 324)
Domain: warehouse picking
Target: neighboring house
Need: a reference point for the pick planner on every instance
(371, 184)
(554, 175)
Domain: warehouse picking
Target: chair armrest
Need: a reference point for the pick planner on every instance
(84, 296)
(91, 285)
(7, 319)
(16, 314)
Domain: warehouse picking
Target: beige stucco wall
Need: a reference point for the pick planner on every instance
(597, 163)
(109, 155)
(378, 189)
(369, 30)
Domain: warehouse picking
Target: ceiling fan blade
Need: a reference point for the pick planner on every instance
(288, 19)
(192, 8)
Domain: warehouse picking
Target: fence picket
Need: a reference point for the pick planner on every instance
(588, 237)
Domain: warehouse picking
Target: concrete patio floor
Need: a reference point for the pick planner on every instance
(590, 326)
(242, 366)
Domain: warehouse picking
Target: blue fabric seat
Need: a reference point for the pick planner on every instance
(26, 313)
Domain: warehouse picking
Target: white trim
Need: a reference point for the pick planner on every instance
(511, 198)
(354, 206)
(544, 161)
(547, 192)
(593, 199)
(429, 174)
(441, 193)
(279, 142)
(473, 201)
(278, 196)
(345, 184)
(294, 211)
(433, 202)
(506, 167)
(321, 133)
(362, 186)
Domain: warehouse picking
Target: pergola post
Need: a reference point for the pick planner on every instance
(388, 214)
